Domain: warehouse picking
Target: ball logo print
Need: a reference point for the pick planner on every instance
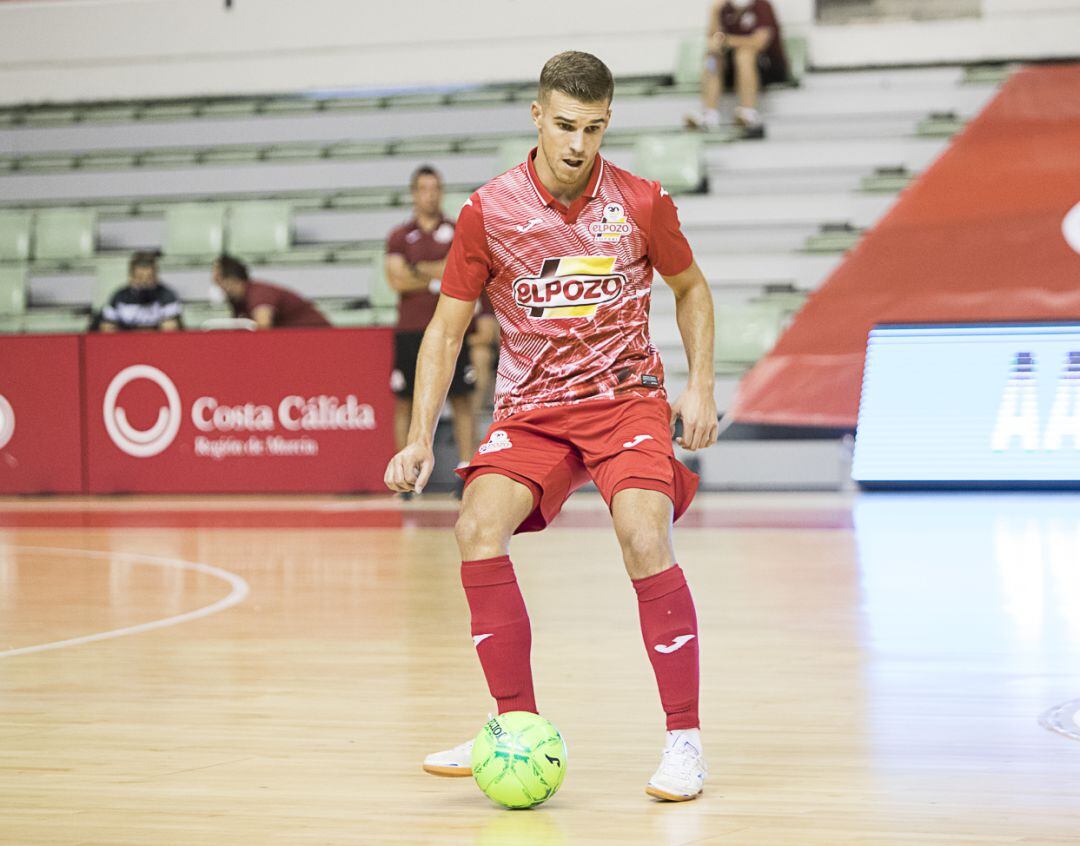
(135, 442)
(7, 421)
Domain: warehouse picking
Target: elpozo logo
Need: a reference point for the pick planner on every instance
(7, 421)
(572, 286)
(613, 226)
(136, 442)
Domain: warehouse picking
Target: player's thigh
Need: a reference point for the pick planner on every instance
(492, 507)
(642, 520)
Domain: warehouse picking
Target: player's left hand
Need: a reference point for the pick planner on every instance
(697, 409)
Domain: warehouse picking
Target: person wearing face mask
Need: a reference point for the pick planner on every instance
(745, 49)
(144, 303)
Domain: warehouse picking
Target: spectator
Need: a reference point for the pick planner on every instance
(145, 303)
(746, 49)
(415, 258)
(270, 306)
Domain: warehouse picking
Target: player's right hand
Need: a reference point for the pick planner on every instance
(410, 469)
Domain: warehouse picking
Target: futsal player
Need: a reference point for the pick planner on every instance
(565, 245)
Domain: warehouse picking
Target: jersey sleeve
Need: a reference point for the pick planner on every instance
(669, 252)
(395, 242)
(468, 265)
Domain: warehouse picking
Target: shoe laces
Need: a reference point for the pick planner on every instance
(682, 759)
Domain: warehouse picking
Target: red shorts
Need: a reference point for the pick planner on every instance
(620, 443)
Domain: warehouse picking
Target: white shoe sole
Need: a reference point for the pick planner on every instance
(447, 771)
(657, 793)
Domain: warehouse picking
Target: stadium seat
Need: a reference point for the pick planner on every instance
(453, 202)
(109, 275)
(676, 161)
(194, 229)
(745, 332)
(259, 228)
(15, 235)
(64, 234)
(12, 290)
(688, 62)
(512, 152)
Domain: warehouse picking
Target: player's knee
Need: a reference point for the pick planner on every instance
(476, 535)
(646, 551)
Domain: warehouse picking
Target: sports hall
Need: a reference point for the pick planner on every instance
(218, 625)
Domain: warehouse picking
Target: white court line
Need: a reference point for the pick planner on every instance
(239, 592)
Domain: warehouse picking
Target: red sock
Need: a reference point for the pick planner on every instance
(500, 629)
(669, 627)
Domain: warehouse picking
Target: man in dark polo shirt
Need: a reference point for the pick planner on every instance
(144, 304)
(270, 306)
(415, 258)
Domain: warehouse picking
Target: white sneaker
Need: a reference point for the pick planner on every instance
(706, 119)
(682, 771)
(454, 763)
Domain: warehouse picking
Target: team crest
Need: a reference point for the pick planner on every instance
(573, 286)
(613, 226)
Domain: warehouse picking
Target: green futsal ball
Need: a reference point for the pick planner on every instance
(519, 759)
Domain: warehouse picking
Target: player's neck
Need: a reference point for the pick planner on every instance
(565, 194)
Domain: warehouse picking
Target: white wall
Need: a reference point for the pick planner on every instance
(63, 50)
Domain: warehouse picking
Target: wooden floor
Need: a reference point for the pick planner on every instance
(272, 671)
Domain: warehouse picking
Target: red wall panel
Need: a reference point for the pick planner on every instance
(281, 411)
(40, 415)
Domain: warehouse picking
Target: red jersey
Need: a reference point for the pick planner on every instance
(416, 308)
(290, 310)
(570, 285)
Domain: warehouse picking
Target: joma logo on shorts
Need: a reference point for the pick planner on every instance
(573, 286)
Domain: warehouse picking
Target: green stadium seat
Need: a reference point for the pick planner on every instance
(350, 103)
(12, 290)
(231, 155)
(689, 62)
(168, 158)
(798, 57)
(194, 229)
(416, 100)
(50, 116)
(676, 161)
(745, 332)
(290, 106)
(109, 275)
(110, 113)
(108, 160)
(47, 163)
(169, 111)
(294, 152)
(481, 96)
(512, 152)
(424, 146)
(452, 203)
(358, 149)
(64, 234)
(53, 322)
(15, 229)
(197, 313)
(230, 108)
(259, 228)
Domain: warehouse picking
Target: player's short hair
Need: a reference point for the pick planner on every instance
(424, 170)
(231, 267)
(579, 75)
(142, 258)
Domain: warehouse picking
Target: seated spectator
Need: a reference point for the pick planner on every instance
(270, 306)
(144, 304)
(746, 49)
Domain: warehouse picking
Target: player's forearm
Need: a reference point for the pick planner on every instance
(694, 314)
(434, 372)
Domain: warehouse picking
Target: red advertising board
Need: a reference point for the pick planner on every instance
(40, 417)
(300, 410)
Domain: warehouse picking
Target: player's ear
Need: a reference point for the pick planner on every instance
(537, 113)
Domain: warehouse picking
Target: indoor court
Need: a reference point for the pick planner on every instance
(874, 669)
